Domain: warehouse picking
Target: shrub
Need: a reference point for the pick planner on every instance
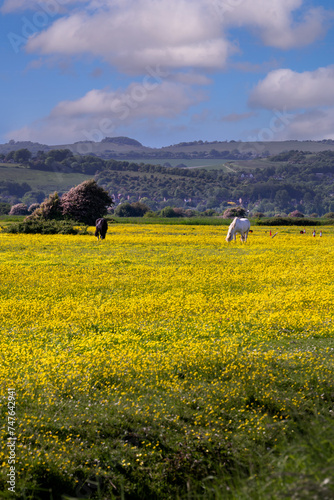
(190, 213)
(139, 208)
(232, 212)
(179, 212)
(150, 213)
(135, 209)
(210, 212)
(50, 209)
(329, 215)
(288, 221)
(168, 212)
(86, 202)
(296, 213)
(19, 209)
(45, 227)
(124, 210)
(4, 208)
(33, 207)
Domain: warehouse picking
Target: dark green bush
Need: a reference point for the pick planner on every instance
(50, 209)
(296, 214)
(45, 227)
(150, 214)
(329, 215)
(4, 208)
(136, 209)
(169, 212)
(232, 212)
(287, 221)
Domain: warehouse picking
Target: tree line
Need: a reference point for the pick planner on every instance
(294, 180)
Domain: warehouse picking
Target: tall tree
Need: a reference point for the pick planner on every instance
(22, 155)
(86, 202)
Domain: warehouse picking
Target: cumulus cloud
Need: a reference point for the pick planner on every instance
(314, 125)
(275, 21)
(102, 112)
(51, 6)
(131, 34)
(284, 88)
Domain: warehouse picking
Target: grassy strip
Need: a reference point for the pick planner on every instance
(157, 445)
(198, 221)
(219, 221)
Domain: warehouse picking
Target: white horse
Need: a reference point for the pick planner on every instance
(241, 226)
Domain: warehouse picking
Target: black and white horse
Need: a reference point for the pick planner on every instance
(101, 226)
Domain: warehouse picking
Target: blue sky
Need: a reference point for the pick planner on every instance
(166, 71)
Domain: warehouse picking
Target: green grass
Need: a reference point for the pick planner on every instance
(225, 165)
(40, 180)
(11, 165)
(192, 221)
(7, 219)
(190, 163)
(295, 458)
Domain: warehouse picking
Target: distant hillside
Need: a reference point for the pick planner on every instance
(279, 184)
(127, 148)
(122, 140)
(34, 147)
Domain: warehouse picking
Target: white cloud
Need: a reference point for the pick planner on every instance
(103, 112)
(287, 89)
(274, 20)
(131, 34)
(51, 6)
(311, 125)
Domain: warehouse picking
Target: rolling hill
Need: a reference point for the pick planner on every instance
(271, 184)
(127, 148)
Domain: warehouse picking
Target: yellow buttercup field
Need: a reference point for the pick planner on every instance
(161, 357)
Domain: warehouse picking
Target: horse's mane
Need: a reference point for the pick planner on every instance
(232, 226)
(233, 223)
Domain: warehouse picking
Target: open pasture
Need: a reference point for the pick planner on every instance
(165, 363)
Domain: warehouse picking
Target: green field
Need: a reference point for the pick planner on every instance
(40, 180)
(207, 164)
(195, 163)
